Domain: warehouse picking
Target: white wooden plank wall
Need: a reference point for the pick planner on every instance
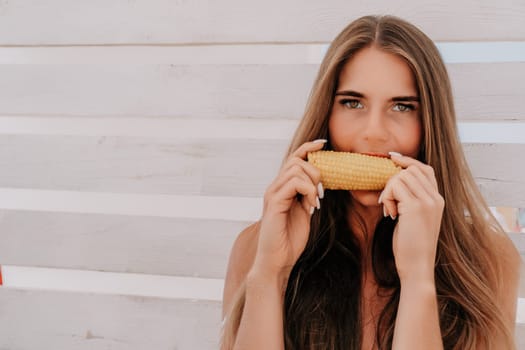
(137, 138)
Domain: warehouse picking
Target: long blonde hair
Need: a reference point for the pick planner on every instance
(467, 269)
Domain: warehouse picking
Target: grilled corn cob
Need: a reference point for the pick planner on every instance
(352, 171)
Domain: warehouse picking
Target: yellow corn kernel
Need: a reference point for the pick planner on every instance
(352, 171)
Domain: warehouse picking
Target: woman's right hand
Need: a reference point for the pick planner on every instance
(285, 223)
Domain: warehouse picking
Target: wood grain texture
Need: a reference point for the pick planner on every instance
(490, 91)
(33, 319)
(160, 165)
(30, 22)
(498, 169)
(78, 321)
(117, 243)
(519, 335)
(255, 53)
(97, 242)
(140, 165)
(220, 167)
(114, 283)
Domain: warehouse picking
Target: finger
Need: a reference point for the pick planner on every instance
(414, 185)
(306, 147)
(429, 185)
(298, 185)
(296, 172)
(405, 162)
(389, 204)
(386, 212)
(301, 154)
(394, 192)
(305, 204)
(313, 173)
(295, 169)
(296, 165)
(275, 190)
(390, 208)
(284, 176)
(311, 198)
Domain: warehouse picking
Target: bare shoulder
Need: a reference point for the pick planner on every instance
(241, 259)
(510, 266)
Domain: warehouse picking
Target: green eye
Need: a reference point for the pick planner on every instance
(404, 107)
(352, 104)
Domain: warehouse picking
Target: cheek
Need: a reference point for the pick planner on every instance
(411, 139)
(340, 133)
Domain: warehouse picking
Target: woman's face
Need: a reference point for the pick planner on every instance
(376, 110)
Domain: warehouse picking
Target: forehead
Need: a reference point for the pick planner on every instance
(376, 72)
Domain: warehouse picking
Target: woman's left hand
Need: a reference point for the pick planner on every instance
(413, 195)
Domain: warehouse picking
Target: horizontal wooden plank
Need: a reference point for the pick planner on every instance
(140, 165)
(155, 205)
(232, 129)
(519, 336)
(76, 321)
(103, 282)
(188, 128)
(34, 319)
(222, 167)
(491, 132)
(60, 22)
(482, 91)
(117, 243)
(452, 52)
(488, 163)
(144, 285)
(212, 54)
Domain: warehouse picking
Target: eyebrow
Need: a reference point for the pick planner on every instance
(393, 99)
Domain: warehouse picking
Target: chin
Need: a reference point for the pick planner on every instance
(366, 198)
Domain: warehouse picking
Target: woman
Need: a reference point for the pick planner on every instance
(419, 265)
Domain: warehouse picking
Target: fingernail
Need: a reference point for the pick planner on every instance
(395, 154)
(320, 190)
(393, 216)
(380, 198)
(319, 141)
(384, 211)
(312, 210)
(318, 203)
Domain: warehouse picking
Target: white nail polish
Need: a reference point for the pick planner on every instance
(319, 141)
(384, 211)
(320, 190)
(318, 203)
(312, 210)
(393, 216)
(395, 154)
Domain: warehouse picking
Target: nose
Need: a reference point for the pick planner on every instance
(375, 128)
